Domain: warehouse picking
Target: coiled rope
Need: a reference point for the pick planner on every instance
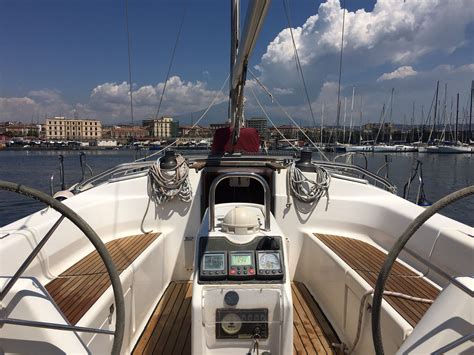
(307, 190)
(169, 183)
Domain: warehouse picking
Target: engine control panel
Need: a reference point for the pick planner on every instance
(241, 323)
(260, 260)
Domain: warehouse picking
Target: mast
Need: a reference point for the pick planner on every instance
(340, 73)
(352, 110)
(322, 123)
(390, 123)
(234, 43)
(469, 135)
(422, 127)
(255, 17)
(457, 118)
(435, 111)
(344, 125)
(360, 121)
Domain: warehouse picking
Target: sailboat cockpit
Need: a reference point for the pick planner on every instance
(235, 253)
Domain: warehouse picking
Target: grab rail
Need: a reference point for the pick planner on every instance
(219, 179)
(125, 170)
(361, 172)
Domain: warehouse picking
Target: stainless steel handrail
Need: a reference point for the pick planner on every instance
(127, 169)
(361, 171)
(212, 196)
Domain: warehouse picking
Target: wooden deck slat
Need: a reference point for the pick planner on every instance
(408, 285)
(184, 347)
(178, 328)
(367, 261)
(148, 332)
(163, 321)
(166, 335)
(81, 285)
(313, 326)
(169, 329)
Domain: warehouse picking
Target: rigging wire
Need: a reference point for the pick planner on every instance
(273, 98)
(270, 120)
(340, 71)
(297, 58)
(171, 62)
(193, 126)
(129, 61)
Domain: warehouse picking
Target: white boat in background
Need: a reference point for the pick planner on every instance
(235, 253)
(383, 148)
(359, 148)
(450, 149)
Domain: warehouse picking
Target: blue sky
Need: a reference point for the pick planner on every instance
(60, 56)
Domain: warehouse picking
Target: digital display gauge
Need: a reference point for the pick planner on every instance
(213, 266)
(241, 260)
(242, 264)
(213, 262)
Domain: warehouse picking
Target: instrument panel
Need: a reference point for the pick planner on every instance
(222, 260)
(241, 323)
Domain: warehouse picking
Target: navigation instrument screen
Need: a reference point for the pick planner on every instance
(241, 260)
(213, 262)
(269, 261)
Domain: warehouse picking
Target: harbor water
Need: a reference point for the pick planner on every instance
(443, 174)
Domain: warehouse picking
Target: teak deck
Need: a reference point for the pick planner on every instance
(367, 261)
(80, 286)
(169, 329)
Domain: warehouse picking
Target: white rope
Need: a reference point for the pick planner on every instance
(362, 308)
(304, 189)
(169, 183)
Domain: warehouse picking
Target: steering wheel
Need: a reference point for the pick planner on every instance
(393, 255)
(100, 248)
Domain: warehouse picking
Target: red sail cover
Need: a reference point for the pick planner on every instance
(248, 142)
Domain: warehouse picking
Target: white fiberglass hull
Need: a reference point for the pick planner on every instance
(359, 148)
(119, 208)
(450, 149)
(393, 148)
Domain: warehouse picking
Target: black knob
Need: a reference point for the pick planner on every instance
(231, 298)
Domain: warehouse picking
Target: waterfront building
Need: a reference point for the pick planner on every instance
(289, 131)
(162, 128)
(72, 129)
(215, 126)
(18, 129)
(260, 124)
(196, 132)
(125, 133)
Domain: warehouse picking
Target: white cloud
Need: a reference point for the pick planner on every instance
(399, 73)
(380, 46)
(111, 101)
(396, 34)
(34, 106)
